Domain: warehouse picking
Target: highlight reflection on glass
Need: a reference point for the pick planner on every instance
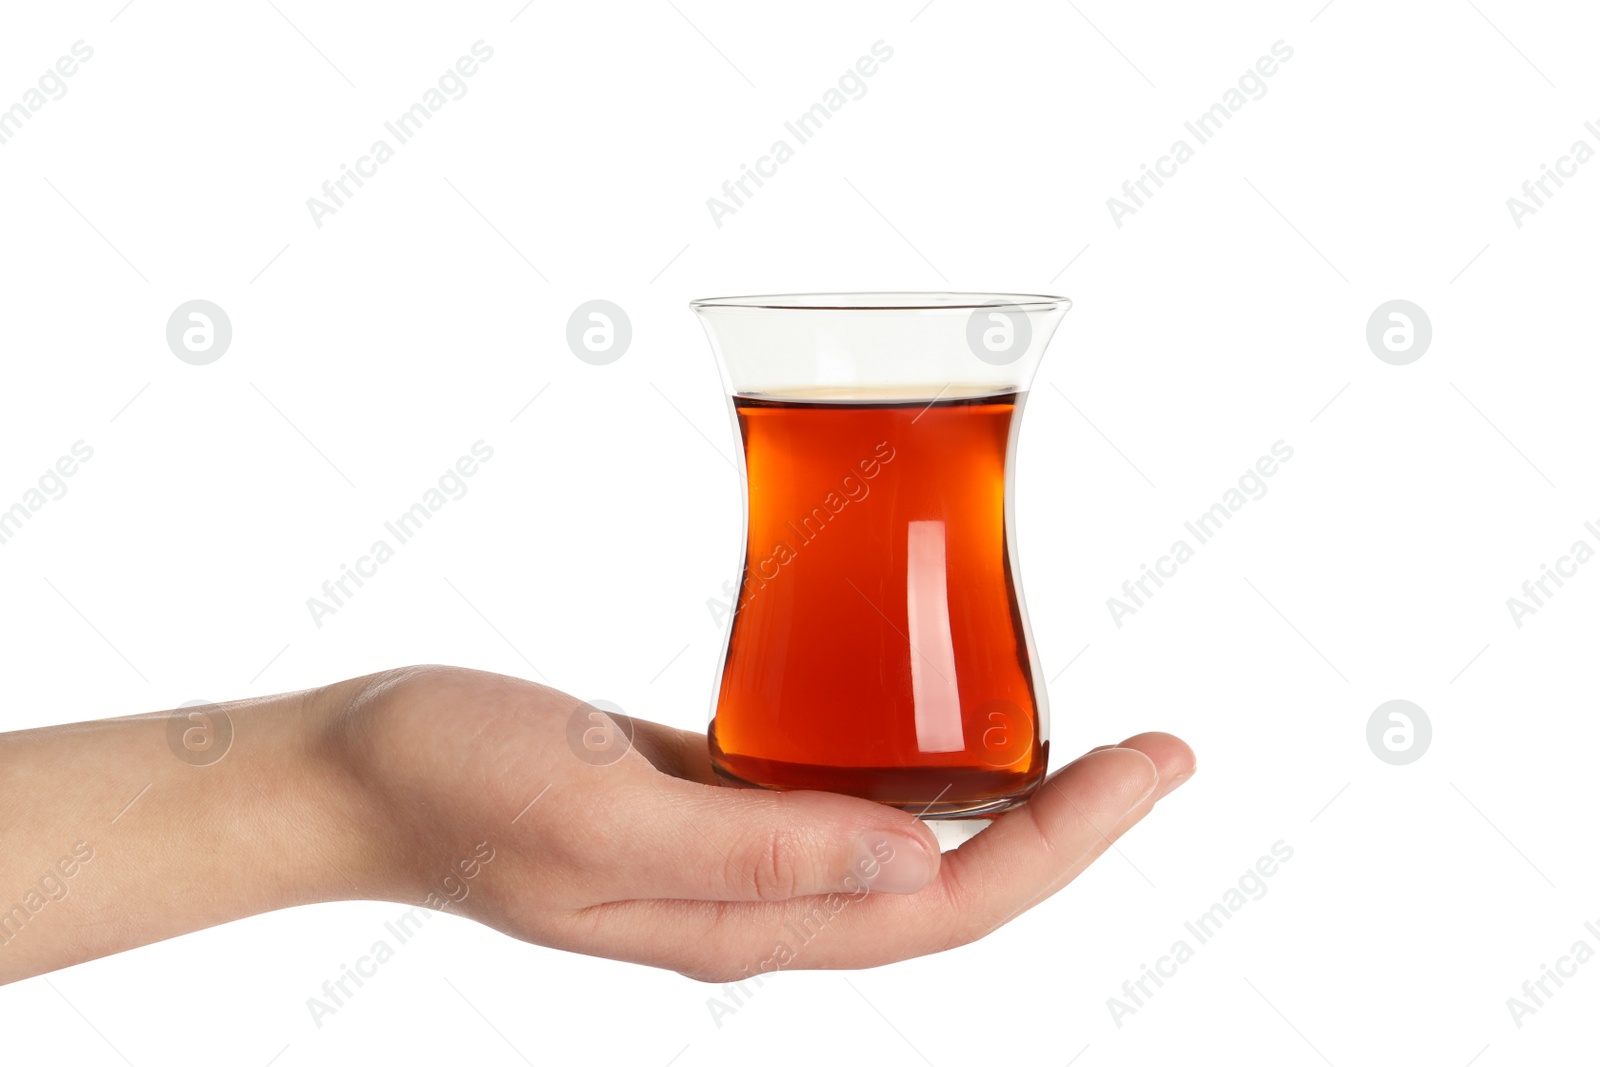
(934, 693)
(879, 644)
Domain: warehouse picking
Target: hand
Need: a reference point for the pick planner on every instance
(459, 790)
(647, 859)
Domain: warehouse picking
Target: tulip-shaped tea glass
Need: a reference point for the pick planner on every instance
(878, 643)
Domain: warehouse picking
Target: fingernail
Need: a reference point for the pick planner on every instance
(889, 862)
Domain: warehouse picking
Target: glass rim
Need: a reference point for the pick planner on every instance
(924, 301)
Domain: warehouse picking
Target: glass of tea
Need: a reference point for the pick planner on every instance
(878, 644)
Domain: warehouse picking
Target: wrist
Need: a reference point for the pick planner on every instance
(268, 820)
(346, 845)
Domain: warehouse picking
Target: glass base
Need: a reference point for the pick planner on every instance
(953, 833)
(933, 794)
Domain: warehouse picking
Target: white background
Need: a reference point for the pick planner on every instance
(1226, 314)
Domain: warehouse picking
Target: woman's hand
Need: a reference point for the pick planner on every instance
(518, 806)
(632, 851)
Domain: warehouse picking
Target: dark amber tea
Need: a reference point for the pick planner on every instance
(877, 647)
